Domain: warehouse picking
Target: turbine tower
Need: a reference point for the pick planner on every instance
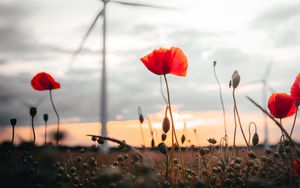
(103, 88)
(265, 88)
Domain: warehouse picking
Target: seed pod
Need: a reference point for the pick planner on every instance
(163, 148)
(141, 118)
(13, 122)
(215, 63)
(166, 124)
(252, 155)
(94, 138)
(235, 79)
(255, 139)
(163, 136)
(100, 141)
(46, 117)
(212, 141)
(182, 139)
(33, 111)
(152, 143)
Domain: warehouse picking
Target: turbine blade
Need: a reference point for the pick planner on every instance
(141, 5)
(84, 38)
(268, 70)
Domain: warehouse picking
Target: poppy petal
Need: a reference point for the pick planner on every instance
(281, 105)
(44, 81)
(295, 89)
(166, 61)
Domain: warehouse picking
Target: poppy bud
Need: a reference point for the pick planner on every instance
(33, 111)
(163, 148)
(215, 63)
(13, 122)
(182, 139)
(141, 118)
(252, 155)
(235, 79)
(166, 124)
(255, 139)
(212, 141)
(94, 138)
(100, 141)
(152, 143)
(163, 136)
(46, 117)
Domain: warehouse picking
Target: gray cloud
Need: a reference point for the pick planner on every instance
(281, 24)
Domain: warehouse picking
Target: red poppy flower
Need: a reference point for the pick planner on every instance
(166, 61)
(44, 81)
(296, 168)
(281, 105)
(295, 89)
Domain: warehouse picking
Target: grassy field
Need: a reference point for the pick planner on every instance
(28, 166)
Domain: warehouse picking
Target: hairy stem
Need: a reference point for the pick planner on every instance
(239, 120)
(122, 143)
(45, 132)
(273, 119)
(32, 125)
(57, 128)
(294, 121)
(142, 132)
(222, 103)
(13, 135)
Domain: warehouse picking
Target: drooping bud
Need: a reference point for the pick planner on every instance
(13, 121)
(163, 148)
(215, 63)
(152, 143)
(166, 124)
(235, 79)
(33, 111)
(163, 136)
(182, 138)
(46, 117)
(255, 139)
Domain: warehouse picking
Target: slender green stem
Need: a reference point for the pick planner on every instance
(239, 120)
(294, 121)
(57, 128)
(32, 125)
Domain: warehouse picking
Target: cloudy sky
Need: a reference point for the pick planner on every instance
(241, 35)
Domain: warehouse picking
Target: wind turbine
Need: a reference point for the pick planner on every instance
(103, 88)
(265, 88)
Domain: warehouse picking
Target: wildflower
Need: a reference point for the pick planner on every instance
(166, 61)
(44, 81)
(281, 105)
(296, 168)
(295, 89)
